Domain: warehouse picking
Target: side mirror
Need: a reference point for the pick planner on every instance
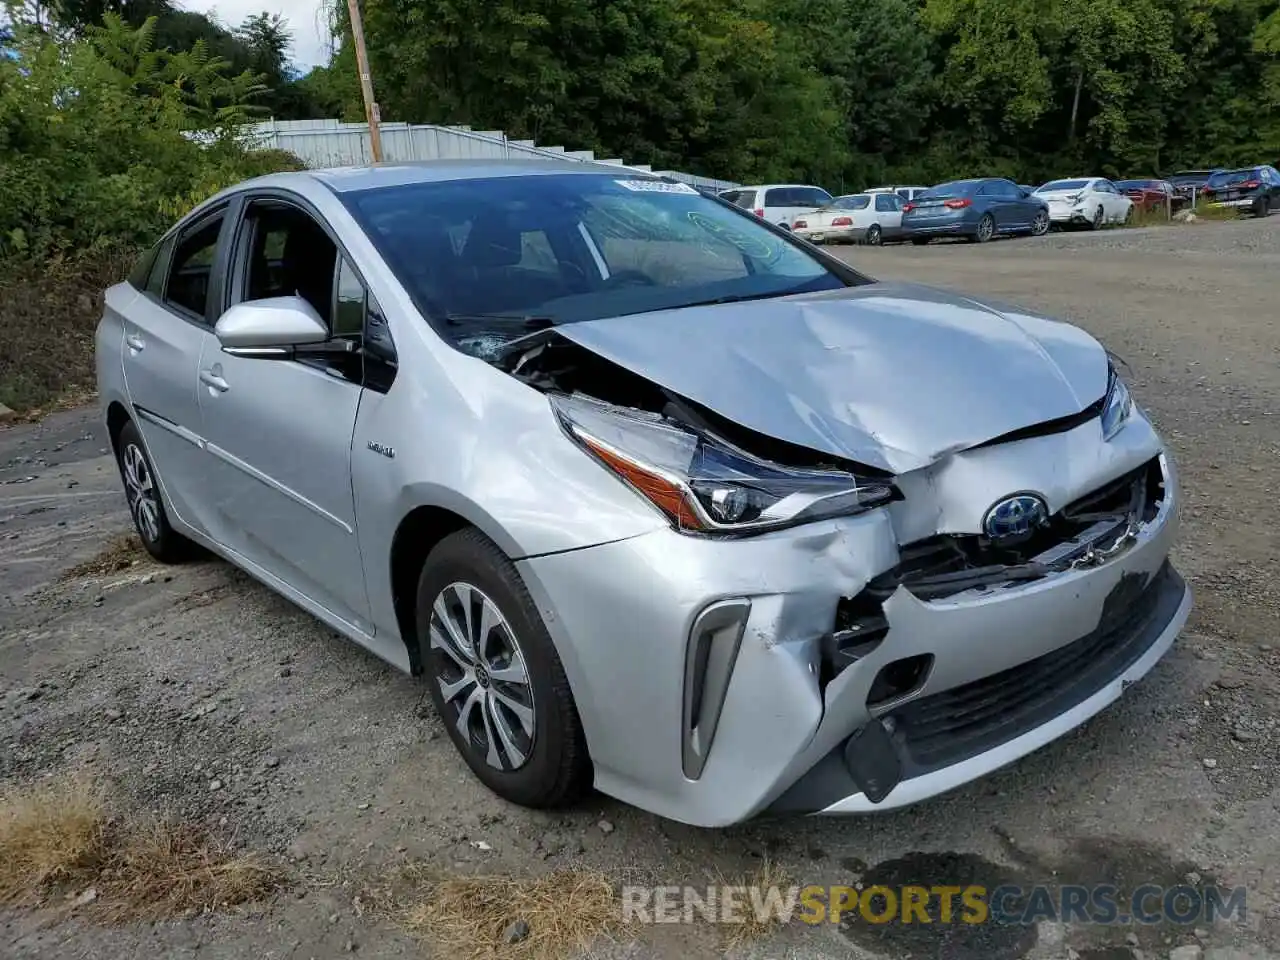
(277, 328)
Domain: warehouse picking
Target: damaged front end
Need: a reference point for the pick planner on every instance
(898, 659)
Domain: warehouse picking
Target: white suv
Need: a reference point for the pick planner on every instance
(779, 203)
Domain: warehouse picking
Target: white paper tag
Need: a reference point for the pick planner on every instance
(655, 186)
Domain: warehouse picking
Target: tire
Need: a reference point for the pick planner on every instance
(1096, 223)
(1263, 208)
(986, 229)
(920, 241)
(146, 505)
(1040, 224)
(1128, 215)
(540, 763)
(874, 236)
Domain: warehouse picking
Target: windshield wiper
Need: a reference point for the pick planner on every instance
(528, 321)
(735, 298)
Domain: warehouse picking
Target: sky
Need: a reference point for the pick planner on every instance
(306, 19)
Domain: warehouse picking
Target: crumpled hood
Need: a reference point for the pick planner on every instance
(891, 375)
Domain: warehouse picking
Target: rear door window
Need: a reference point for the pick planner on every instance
(887, 202)
(191, 273)
(745, 199)
(809, 197)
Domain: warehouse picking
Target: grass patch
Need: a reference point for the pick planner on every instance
(50, 835)
(120, 554)
(58, 843)
(469, 918)
(767, 876)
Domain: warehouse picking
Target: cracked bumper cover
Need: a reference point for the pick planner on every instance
(621, 615)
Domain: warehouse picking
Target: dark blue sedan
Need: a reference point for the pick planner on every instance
(974, 209)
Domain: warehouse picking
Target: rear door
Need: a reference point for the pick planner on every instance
(279, 432)
(164, 331)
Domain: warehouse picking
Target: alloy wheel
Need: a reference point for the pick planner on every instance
(1040, 225)
(483, 680)
(874, 237)
(1097, 218)
(141, 494)
(986, 227)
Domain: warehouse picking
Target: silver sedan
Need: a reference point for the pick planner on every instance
(656, 497)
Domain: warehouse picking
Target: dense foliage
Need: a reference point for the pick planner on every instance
(841, 91)
(98, 155)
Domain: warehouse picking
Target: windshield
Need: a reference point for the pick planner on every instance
(1229, 177)
(950, 189)
(501, 256)
(1063, 185)
(851, 203)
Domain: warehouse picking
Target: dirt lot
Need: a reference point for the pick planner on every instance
(196, 694)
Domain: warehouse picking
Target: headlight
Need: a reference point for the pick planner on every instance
(1116, 407)
(705, 485)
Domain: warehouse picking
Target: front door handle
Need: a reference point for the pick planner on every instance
(135, 342)
(211, 379)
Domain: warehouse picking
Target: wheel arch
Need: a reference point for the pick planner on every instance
(422, 526)
(117, 417)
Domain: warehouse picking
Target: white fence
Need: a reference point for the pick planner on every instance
(331, 143)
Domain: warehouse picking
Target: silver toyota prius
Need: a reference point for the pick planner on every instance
(657, 498)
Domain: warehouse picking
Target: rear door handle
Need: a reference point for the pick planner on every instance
(135, 342)
(211, 379)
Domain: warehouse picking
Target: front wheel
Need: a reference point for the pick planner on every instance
(874, 237)
(1040, 225)
(495, 677)
(146, 506)
(1096, 223)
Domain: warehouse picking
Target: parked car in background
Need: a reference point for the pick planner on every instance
(860, 217)
(653, 498)
(1256, 189)
(1151, 195)
(974, 209)
(1085, 201)
(779, 203)
(1187, 184)
(906, 193)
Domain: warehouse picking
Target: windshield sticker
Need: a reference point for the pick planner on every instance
(655, 186)
(758, 248)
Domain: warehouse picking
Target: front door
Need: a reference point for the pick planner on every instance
(279, 432)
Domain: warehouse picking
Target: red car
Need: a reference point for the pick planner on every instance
(1150, 195)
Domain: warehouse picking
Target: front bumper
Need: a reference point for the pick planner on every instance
(622, 615)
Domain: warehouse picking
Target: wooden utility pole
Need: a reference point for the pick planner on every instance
(366, 81)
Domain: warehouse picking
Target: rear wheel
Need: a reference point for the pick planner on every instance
(495, 677)
(1263, 207)
(874, 236)
(986, 228)
(146, 506)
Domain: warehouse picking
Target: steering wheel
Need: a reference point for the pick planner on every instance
(630, 278)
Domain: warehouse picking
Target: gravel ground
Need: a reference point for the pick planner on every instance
(194, 692)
